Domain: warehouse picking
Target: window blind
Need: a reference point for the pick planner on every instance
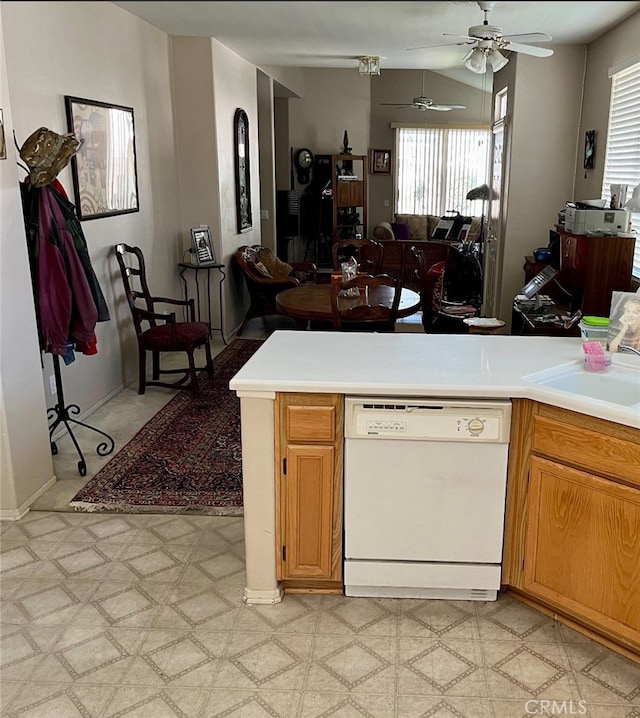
(438, 166)
(622, 157)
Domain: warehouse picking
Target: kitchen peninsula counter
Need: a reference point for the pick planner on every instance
(447, 365)
(326, 366)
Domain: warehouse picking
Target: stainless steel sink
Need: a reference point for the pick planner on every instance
(617, 385)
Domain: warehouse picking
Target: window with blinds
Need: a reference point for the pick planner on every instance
(622, 160)
(437, 166)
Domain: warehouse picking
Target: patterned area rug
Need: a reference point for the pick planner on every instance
(187, 458)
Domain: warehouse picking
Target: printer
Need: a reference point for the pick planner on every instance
(585, 220)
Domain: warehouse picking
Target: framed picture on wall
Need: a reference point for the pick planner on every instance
(104, 173)
(380, 162)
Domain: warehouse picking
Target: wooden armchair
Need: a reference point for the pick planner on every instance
(266, 276)
(374, 310)
(158, 331)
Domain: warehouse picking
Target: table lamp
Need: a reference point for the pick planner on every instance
(633, 204)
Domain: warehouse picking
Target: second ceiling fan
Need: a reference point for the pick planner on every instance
(423, 103)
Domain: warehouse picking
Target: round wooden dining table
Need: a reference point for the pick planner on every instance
(312, 302)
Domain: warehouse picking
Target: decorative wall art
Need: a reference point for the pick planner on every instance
(380, 162)
(104, 169)
(3, 146)
(589, 149)
(243, 179)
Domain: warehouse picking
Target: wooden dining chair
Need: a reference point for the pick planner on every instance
(367, 252)
(159, 332)
(374, 310)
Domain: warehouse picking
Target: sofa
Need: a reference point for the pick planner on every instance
(417, 227)
(406, 231)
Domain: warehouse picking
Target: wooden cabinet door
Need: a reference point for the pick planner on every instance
(308, 506)
(583, 547)
(309, 448)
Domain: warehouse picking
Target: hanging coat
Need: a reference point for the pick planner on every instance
(68, 298)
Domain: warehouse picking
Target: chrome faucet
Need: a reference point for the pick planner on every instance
(627, 348)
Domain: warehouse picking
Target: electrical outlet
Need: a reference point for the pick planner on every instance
(52, 385)
(264, 214)
(386, 203)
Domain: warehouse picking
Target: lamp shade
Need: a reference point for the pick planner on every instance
(497, 60)
(633, 205)
(476, 61)
(482, 192)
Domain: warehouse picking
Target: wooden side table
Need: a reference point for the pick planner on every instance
(207, 267)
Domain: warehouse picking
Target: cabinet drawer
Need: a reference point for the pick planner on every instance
(311, 423)
(587, 448)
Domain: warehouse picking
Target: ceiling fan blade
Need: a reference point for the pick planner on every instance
(467, 41)
(396, 104)
(528, 37)
(444, 108)
(447, 107)
(529, 49)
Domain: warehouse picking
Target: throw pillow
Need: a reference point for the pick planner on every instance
(417, 224)
(401, 230)
(276, 267)
(383, 232)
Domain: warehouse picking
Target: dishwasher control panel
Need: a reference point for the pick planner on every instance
(427, 419)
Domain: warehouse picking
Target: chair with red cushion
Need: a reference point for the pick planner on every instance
(159, 332)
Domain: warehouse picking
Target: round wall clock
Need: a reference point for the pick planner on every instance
(304, 162)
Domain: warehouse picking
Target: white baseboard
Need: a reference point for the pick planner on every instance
(61, 431)
(23, 509)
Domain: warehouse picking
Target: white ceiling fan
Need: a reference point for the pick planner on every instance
(487, 41)
(423, 103)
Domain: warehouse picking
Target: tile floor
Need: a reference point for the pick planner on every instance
(106, 615)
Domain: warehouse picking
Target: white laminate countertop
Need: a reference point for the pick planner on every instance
(423, 365)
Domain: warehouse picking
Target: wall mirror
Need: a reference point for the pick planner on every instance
(243, 179)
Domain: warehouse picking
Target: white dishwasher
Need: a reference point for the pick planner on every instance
(424, 497)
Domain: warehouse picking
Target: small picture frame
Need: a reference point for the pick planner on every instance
(202, 247)
(380, 162)
(624, 322)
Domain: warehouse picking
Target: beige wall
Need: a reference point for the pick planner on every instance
(617, 46)
(25, 459)
(543, 114)
(334, 101)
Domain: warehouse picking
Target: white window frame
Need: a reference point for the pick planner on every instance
(443, 202)
(622, 157)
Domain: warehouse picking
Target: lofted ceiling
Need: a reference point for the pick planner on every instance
(335, 34)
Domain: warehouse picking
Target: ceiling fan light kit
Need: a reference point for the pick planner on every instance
(369, 65)
(487, 41)
(477, 58)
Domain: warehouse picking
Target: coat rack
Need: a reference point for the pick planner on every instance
(45, 153)
(61, 414)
